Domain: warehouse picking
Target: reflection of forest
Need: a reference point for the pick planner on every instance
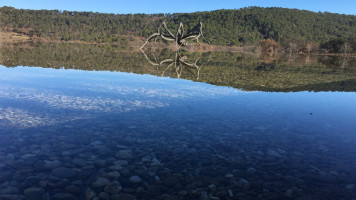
(287, 73)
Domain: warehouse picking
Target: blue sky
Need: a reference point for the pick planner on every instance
(172, 6)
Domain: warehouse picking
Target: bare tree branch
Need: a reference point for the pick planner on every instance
(180, 38)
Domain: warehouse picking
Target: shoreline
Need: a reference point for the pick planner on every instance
(15, 38)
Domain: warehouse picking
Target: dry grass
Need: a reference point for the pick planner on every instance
(12, 37)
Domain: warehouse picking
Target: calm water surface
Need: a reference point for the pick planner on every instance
(76, 134)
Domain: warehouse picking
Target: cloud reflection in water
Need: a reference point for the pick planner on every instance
(35, 97)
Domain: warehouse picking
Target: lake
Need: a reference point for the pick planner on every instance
(97, 122)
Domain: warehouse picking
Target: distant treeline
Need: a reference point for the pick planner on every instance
(292, 28)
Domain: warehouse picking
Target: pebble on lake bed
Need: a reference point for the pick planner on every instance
(212, 187)
(229, 175)
(64, 196)
(251, 170)
(33, 193)
(113, 174)
(135, 179)
(62, 172)
(113, 188)
(350, 186)
(101, 182)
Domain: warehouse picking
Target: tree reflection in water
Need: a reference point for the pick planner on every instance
(233, 69)
(179, 62)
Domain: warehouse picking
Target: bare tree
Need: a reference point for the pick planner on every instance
(346, 48)
(309, 47)
(293, 48)
(180, 38)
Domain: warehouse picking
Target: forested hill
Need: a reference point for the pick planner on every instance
(223, 27)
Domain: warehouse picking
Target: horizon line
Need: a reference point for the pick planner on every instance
(246, 7)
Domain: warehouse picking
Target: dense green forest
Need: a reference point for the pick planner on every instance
(222, 27)
(295, 73)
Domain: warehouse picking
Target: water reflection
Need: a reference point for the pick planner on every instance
(247, 72)
(179, 62)
(30, 95)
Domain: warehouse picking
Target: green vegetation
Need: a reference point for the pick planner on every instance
(339, 46)
(289, 73)
(222, 27)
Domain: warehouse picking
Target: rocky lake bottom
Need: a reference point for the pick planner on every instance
(118, 136)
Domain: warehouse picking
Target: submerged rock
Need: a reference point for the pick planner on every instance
(204, 195)
(230, 193)
(274, 153)
(33, 193)
(123, 196)
(113, 188)
(229, 175)
(104, 196)
(52, 164)
(135, 179)
(113, 174)
(251, 170)
(289, 193)
(182, 193)
(12, 197)
(96, 143)
(121, 162)
(212, 187)
(89, 194)
(350, 186)
(64, 196)
(73, 189)
(9, 190)
(79, 162)
(115, 167)
(124, 154)
(63, 172)
(101, 182)
(27, 156)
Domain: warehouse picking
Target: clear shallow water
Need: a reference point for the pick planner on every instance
(65, 134)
